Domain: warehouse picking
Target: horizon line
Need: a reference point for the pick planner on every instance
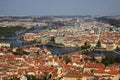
(58, 15)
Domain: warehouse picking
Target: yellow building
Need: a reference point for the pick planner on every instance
(4, 44)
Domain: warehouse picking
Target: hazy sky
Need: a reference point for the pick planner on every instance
(59, 7)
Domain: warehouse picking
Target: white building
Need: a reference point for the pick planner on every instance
(4, 44)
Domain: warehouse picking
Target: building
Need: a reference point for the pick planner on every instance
(4, 44)
(59, 40)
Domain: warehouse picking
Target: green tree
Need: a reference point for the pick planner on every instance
(108, 60)
(31, 77)
(49, 76)
(13, 78)
(60, 56)
(117, 49)
(78, 79)
(67, 60)
(85, 46)
(98, 45)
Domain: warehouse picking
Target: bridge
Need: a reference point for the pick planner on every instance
(91, 49)
(80, 51)
(86, 50)
(42, 44)
(116, 52)
(8, 38)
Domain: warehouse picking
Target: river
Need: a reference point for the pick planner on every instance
(55, 50)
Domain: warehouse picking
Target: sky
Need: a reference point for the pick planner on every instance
(59, 7)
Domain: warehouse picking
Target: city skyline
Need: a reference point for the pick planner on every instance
(61, 7)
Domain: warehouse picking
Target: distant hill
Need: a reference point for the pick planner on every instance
(8, 31)
(111, 21)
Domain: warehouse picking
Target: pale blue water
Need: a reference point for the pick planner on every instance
(55, 50)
